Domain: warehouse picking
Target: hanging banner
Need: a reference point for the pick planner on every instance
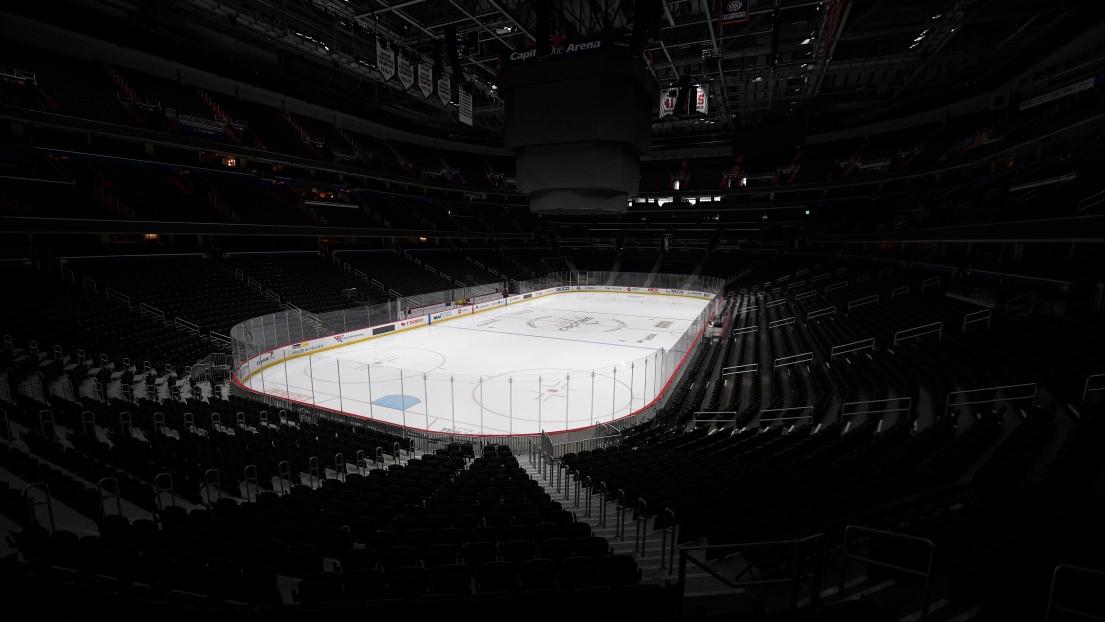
(385, 60)
(667, 102)
(425, 79)
(406, 72)
(465, 106)
(733, 12)
(444, 89)
(702, 99)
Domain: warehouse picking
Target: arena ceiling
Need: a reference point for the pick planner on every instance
(815, 61)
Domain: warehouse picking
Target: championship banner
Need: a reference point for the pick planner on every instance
(425, 80)
(733, 12)
(406, 72)
(444, 89)
(385, 60)
(465, 106)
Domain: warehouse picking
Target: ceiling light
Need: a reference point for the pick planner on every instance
(806, 41)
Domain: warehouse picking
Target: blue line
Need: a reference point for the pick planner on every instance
(651, 317)
(597, 343)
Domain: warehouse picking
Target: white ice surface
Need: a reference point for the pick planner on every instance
(545, 364)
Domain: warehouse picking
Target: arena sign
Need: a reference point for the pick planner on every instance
(733, 12)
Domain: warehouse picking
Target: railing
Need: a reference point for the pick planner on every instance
(859, 302)
(819, 277)
(784, 411)
(829, 288)
(620, 509)
(748, 368)
(669, 526)
(559, 450)
(1017, 303)
(948, 404)
(32, 503)
(799, 550)
(820, 312)
(885, 271)
(1087, 390)
(794, 359)
(848, 409)
(926, 575)
(1055, 595)
(112, 294)
(899, 291)
(108, 489)
(711, 416)
(1090, 201)
(919, 331)
(976, 316)
(186, 326)
(931, 282)
(783, 322)
(804, 295)
(640, 536)
(776, 302)
(146, 309)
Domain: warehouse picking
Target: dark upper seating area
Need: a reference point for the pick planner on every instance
(398, 273)
(309, 281)
(181, 287)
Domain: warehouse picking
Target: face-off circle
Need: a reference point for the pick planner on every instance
(576, 324)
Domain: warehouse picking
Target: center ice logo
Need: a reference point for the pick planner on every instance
(587, 324)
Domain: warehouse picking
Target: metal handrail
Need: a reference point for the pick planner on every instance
(795, 408)
(937, 326)
(587, 505)
(867, 343)
(339, 466)
(215, 482)
(250, 479)
(927, 575)
(976, 316)
(313, 473)
(619, 516)
(32, 504)
(45, 416)
(88, 422)
(602, 515)
(1035, 390)
(908, 407)
(101, 489)
(794, 579)
(1086, 390)
(670, 526)
(284, 472)
(1026, 299)
(642, 521)
(1051, 597)
(7, 425)
(160, 488)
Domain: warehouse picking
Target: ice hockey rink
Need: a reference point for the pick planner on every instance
(558, 362)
